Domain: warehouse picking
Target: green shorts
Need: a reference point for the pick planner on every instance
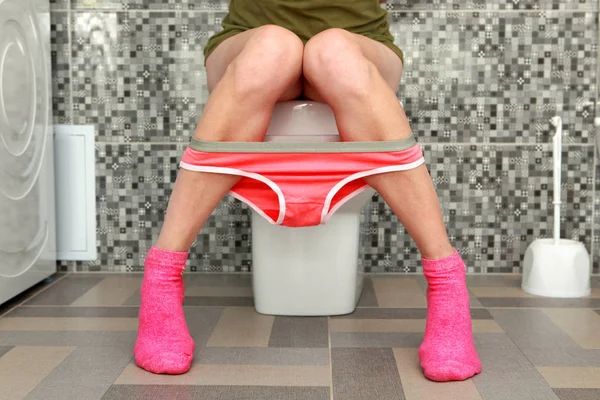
(306, 18)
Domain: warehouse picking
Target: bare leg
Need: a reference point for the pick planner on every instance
(357, 77)
(343, 70)
(249, 73)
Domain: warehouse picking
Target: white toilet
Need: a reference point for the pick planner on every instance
(314, 270)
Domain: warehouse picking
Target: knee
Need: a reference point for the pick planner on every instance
(332, 58)
(270, 61)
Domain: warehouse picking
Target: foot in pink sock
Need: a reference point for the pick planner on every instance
(164, 344)
(448, 352)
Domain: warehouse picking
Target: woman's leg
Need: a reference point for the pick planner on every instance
(247, 74)
(358, 78)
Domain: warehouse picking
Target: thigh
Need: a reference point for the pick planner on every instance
(385, 60)
(220, 58)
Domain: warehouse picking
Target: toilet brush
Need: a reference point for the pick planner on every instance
(556, 267)
(556, 175)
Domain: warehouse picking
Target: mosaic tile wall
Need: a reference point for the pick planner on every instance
(482, 79)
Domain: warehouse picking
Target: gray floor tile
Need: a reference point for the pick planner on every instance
(201, 320)
(218, 280)
(85, 275)
(371, 339)
(598, 312)
(67, 338)
(4, 350)
(9, 305)
(262, 356)
(474, 301)
(66, 291)
(365, 374)
(182, 392)
(72, 312)
(564, 357)
(85, 374)
(309, 332)
(410, 340)
(493, 341)
(29, 293)
(368, 297)
(539, 302)
(386, 313)
(421, 280)
(508, 375)
(134, 300)
(578, 394)
(200, 341)
(532, 329)
(404, 313)
(492, 280)
(219, 301)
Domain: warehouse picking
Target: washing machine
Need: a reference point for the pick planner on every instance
(27, 210)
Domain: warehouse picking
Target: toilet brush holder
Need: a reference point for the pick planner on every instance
(556, 270)
(556, 267)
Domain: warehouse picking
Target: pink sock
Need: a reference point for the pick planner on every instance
(448, 352)
(164, 344)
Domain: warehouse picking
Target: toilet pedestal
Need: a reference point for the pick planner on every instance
(308, 271)
(312, 270)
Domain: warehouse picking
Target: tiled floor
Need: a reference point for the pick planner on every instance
(72, 338)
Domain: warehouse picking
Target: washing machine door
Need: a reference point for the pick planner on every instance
(27, 238)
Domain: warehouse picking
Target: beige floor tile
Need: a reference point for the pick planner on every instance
(417, 387)
(23, 368)
(68, 324)
(399, 292)
(582, 325)
(486, 326)
(572, 377)
(595, 293)
(65, 291)
(242, 327)
(512, 277)
(498, 291)
(111, 291)
(235, 375)
(231, 291)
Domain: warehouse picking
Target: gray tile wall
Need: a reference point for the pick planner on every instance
(482, 79)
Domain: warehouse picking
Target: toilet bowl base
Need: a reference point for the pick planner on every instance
(309, 271)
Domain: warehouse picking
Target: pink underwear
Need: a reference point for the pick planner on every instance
(300, 184)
